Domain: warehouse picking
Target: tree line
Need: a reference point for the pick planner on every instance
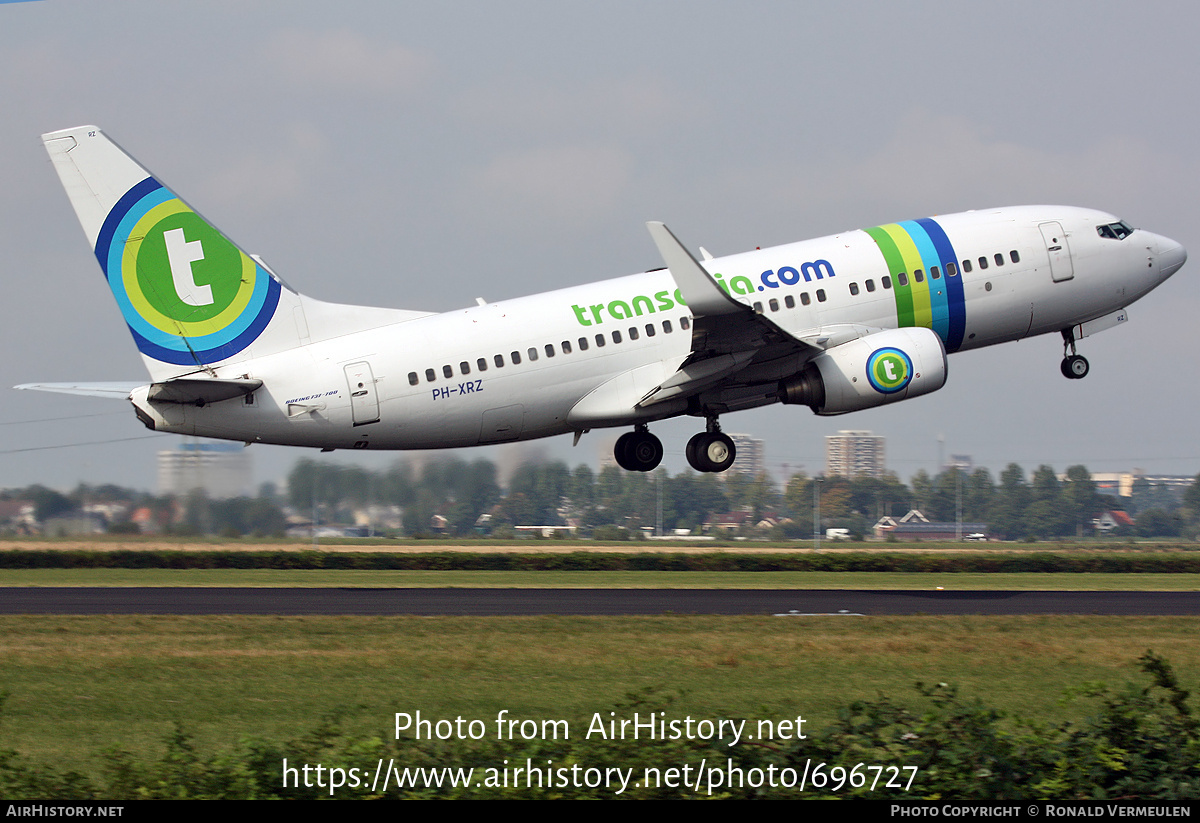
(459, 497)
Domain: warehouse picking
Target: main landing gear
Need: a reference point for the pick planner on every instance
(709, 451)
(1074, 366)
(638, 450)
(712, 450)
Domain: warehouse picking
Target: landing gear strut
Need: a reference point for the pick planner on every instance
(638, 450)
(712, 450)
(1074, 366)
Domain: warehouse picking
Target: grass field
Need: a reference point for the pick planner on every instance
(79, 685)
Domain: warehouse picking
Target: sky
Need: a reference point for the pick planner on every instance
(417, 155)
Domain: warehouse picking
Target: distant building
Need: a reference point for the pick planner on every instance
(1120, 484)
(1111, 520)
(220, 469)
(751, 456)
(962, 462)
(915, 526)
(855, 454)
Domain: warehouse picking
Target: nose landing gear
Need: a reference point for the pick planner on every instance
(1074, 366)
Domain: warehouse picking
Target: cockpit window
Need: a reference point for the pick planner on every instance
(1115, 231)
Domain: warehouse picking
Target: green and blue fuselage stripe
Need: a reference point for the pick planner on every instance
(937, 304)
(895, 264)
(956, 306)
(938, 311)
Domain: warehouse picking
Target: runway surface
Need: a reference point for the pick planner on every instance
(282, 601)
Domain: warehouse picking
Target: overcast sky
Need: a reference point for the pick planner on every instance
(416, 155)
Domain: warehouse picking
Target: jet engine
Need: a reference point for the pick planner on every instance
(880, 368)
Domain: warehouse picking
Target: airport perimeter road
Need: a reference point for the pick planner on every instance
(279, 601)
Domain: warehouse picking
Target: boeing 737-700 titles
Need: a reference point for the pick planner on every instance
(837, 324)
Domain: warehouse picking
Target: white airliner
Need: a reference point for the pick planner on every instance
(838, 324)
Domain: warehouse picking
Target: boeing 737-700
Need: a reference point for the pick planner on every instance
(837, 324)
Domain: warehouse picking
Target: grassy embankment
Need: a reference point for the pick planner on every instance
(79, 685)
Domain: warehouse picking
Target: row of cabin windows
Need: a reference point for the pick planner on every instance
(918, 276)
(790, 302)
(532, 353)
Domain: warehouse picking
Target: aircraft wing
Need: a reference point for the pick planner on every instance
(726, 335)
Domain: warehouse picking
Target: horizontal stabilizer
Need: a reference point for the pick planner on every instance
(199, 391)
(113, 391)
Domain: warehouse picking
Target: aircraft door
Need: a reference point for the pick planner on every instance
(1061, 267)
(364, 402)
(503, 424)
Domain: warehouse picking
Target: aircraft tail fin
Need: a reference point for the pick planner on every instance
(192, 299)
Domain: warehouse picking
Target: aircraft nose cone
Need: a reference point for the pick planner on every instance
(1171, 256)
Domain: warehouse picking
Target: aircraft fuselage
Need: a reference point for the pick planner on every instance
(520, 369)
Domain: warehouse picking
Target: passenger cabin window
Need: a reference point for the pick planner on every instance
(886, 281)
(870, 284)
(549, 349)
(430, 375)
(1013, 256)
(982, 263)
(951, 269)
(499, 361)
(934, 274)
(685, 323)
(919, 276)
(999, 258)
(633, 333)
(583, 344)
(854, 288)
(666, 326)
(758, 307)
(650, 330)
(464, 367)
(804, 298)
(532, 351)
(515, 357)
(413, 379)
(447, 371)
(481, 364)
(789, 301)
(566, 346)
(616, 337)
(967, 266)
(600, 341)
(820, 295)
(902, 279)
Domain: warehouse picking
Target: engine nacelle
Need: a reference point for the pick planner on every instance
(880, 368)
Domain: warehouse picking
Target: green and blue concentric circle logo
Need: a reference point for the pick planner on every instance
(889, 369)
(187, 293)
